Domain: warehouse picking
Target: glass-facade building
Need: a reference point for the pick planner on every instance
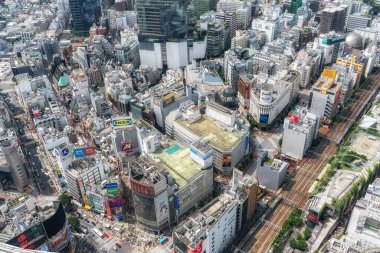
(84, 14)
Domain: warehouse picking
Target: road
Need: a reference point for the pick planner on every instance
(295, 193)
(33, 167)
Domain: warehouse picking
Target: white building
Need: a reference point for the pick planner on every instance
(357, 20)
(269, 24)
(173, 54)
(212, 229)
(268, 98)
(79, 82)
(270, 172)
(242, 9)
(300, 129)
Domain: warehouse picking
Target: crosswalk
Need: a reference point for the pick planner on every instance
(108, 245)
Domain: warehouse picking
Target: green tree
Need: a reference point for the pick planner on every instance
(65, 199)
(73, 221)
(307, 233)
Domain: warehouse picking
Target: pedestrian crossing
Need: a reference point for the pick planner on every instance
(108, 245)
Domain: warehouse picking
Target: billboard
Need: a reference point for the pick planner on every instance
(109, 213)
(226, 160)
(293, 118)
(142, 188)
(78, 152)
(203, 157)
(198, 249)
(82, 152)
(121, 122)
(115, 203)
(31, 238)
(168, 99)
(111, 185)
(126, 146)
(112, 191)
(329, 73)
(264, 118)
(59, 240)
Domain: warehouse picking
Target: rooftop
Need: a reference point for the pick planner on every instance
(177, 161)
(208, 130)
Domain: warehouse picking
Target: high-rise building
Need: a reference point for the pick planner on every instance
(84, 13)
(12, 163)
(357, 20)
(300, 130)
(166, 34)
(201, 7)
(333, 19)
(294, 5)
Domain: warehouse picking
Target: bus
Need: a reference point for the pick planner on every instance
(96, 231)
(83, 229)
(163, 240)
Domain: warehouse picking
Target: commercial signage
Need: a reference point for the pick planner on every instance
(115, 203)
(329, 73)
(82, 152)
(126, 146)
(264, 118)
(198, 249)
(111, 185)
(65, 152)
(78, 152)
(176, 202)
(203, 157)
(59, 240)
(31, 238)
(168, 99)
(293, 118)
(112, 191)
(226, 161)
(121, 122)
(142, 189)
(109, 213)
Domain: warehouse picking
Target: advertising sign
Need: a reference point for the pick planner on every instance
(109, 213)
(31, 238)
(198, 249)
(121, 122)
(65, 152)
(329, 73)
(227, 161)
(203, 157)
(126, 146)
(168, 99)
(59, 239)
(264, 118)
(89, 151)
(142, 189)
(112, 191)
(79, 152)
(111, 185)
(176, 202)
(293, 118)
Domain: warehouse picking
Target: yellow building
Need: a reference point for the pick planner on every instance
(351, 62)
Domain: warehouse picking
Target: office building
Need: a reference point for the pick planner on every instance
(245, 83)
(82, 171)
(214, 227)
(84, 13)
(356, 21)
(270, 24)
(270, 172)
(243, 11)
(307, 64)
(294, 5)
(333, 19)
(166, 34)
(217, 34)
(300, 130)
(347, 78)
(167, 185)
(11, 160)
(50, 47)
(332, 46)
(325, 96)
(201, 7)
(269, 97)
(229, 147)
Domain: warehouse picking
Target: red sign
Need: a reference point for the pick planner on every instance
(142, 189)
(293, 118)
(126, 146)
(313, 218)
(109, 213)
(198, 249)
(59, 239)
(89, 151)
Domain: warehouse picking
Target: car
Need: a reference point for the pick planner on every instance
(93, 223)
(101, 229)
(105, 235)
(118, 245)
(87, 220)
